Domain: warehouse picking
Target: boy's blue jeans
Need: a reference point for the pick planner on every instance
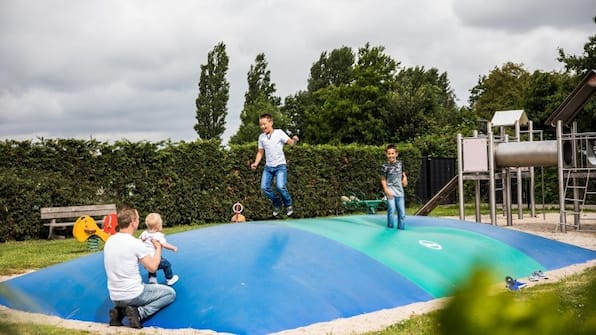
(280, 173)
(396, 204)
(153, 298)
(166, 266)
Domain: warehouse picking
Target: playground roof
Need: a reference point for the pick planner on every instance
(508, 118)
(575, 102)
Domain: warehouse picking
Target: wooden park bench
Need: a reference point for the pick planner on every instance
(57, 214)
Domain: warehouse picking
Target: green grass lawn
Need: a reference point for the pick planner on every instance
(22, 256)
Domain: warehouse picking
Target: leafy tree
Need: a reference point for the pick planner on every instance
(213, 95)
(335, 69)
(424, 112)
(502, 89)
(580, 65)
(340, 119)
(258, 99)
(422, 103)
(346, 111)
(249, 129)
(293, 109)
(545, 92)
(259, 83)
(442, 142)
(375, 68)
(332, 69)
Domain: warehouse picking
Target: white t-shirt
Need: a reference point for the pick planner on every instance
(121, 257)
(273, 144)
(147, 236)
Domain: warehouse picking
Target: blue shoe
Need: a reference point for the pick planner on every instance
(520, 284)
(513, 284)
(390, 226)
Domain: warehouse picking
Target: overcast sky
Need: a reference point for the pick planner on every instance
(122, 69)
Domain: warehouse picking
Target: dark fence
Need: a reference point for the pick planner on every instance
(434, 174)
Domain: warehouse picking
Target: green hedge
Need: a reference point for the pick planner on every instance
(187, 182)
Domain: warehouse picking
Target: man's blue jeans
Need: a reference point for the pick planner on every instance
(280, 173)
(153, 298)
(397, 204)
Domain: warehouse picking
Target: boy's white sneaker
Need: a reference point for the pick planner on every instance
(152, 280)
(276, 211)
(172, 280)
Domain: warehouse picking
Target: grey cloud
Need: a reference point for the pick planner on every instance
(129, 69)
(524, 15)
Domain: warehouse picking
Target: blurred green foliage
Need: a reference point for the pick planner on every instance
(476, 309)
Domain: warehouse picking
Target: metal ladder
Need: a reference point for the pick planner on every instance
(582, 193)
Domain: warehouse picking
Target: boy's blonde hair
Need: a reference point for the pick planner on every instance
(153, 220)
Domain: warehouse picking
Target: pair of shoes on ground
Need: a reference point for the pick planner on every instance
(537, 275)
(169, 282)
(289, 211)
(131, 312)
(514, 284)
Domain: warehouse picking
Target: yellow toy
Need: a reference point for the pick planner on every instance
(85, 227)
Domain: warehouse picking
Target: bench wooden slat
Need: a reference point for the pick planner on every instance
(73, 212)
(59, 224)
(71, 209)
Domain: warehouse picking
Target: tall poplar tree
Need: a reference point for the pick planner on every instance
(259, 83)
(259, 98)
(213, 95)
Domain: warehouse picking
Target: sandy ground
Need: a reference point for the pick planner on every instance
(543, 225)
